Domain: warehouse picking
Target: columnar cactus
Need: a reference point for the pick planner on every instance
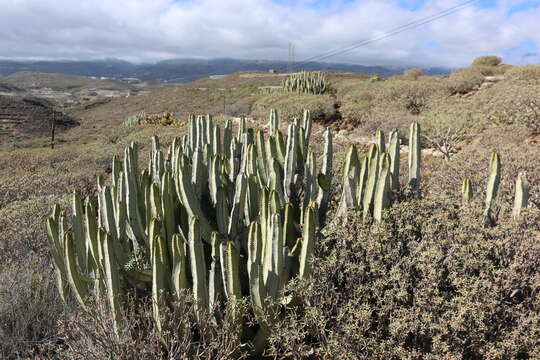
(394, 151)
(202, 208)
(306, 82)
(492, 186)
(521, 195)
(415, 154)
(370, 180)
(466, 191)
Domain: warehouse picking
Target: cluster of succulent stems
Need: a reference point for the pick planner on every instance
(224, 215)
(306, 82)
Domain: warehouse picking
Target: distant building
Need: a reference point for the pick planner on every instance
(272, 71)
(131, 80)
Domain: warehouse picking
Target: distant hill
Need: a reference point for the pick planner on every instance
(109, 68)
(6, 87)
(59, 82)
(185, 70)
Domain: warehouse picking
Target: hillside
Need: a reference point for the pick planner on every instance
(69, 90)
(440, 275)
(60, 82)
(81, 68)
(28, 119)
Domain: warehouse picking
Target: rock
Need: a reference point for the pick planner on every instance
(494, 78)
(432, 152)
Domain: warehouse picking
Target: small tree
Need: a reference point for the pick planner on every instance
(487, 61)
(413, 74)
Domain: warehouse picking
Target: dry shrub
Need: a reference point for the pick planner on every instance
(529, 73)
(514, 104)
(412, 74)
(22, 228)
(448, 125)
(412, 97)
(463, 81)
(385, 120)
(430, 283)
(91, 336)
(30, 307)
(487, 61)
(290, 106)
(473, 163)
(240, 109)
(358, 99)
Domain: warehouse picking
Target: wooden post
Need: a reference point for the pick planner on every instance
(53, 124)
(224, 101)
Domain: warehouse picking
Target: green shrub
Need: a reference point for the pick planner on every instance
(376, 78)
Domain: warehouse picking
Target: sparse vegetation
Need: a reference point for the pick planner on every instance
(432, 280)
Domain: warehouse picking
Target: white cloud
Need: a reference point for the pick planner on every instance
(142, 30)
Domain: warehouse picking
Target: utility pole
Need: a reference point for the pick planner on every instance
(293, 58)
(289, 63)
(224, 101)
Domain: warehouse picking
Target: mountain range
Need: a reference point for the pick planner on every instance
(186, 70)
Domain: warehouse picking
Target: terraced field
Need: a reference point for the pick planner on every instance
(23, 119)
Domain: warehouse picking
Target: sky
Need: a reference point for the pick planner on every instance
(153, 30)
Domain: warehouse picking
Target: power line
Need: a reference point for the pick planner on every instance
(392, 32)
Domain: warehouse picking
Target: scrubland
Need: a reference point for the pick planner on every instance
(431, 281)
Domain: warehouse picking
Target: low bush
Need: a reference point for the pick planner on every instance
(292, 105)
(430, 283)
(448, 125)
(238, 110)
(91, 335)
(514, 104)
(463, 81)
(529, 73)
(412, 74)
(487, 61)
(30, 308)
(412, 97)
